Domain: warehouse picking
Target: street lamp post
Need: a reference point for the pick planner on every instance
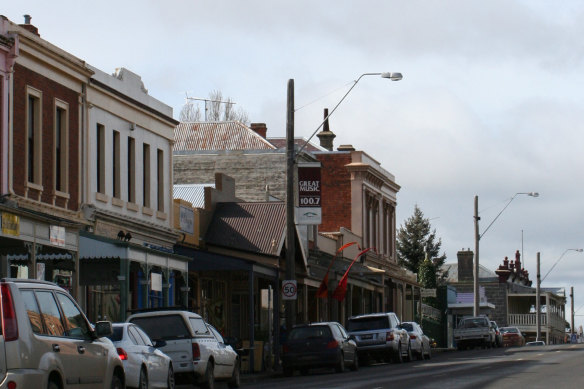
(478, 236)
(538, 291)
(290, 169)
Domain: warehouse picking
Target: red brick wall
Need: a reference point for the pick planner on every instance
(51, 90)
(336, 192)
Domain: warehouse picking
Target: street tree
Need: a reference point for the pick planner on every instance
(415, 240)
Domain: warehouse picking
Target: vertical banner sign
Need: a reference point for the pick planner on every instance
(309, 209)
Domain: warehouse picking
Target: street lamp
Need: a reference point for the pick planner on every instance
(538, 292)
(478, 237)
(290, 168)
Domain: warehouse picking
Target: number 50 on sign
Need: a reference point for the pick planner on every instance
(289, 290)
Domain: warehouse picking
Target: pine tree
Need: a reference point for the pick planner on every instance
(414, 239)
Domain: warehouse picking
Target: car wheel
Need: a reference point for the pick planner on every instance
(421, 355)
(143, 384)
(53, 385)
(409, 357)
(235, 380)
(341, 364)
(117, 382)
(398, 357)
(355, 365)
(170, 377)
(429, 353)
(209, 376)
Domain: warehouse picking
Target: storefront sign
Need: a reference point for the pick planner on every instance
(10, 224)
(187, 220)
(57, 235)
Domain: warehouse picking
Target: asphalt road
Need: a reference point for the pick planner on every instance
(526, 367)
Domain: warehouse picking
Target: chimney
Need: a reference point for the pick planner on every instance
(326, 136)
(518, 260)
(465, 266)
(259, 128)
(346, 148)
(29, 27)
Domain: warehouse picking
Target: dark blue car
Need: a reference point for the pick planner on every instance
(317, 345)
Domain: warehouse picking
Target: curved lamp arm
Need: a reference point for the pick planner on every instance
(390, 75)
(532, 194)
(558, 260)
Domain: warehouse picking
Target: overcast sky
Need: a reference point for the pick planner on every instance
(491, 103)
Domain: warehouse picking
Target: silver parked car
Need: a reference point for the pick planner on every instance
(419, 342)
(379, 336)
(46, 341)
(146, 366)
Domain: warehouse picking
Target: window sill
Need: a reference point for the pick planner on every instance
(147, 211)
(117, 202)
(62, 195)
(101, 197)
(132, 207)
(161, 215)
(32, 185)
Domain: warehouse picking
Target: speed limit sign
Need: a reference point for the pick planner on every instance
(289, 290)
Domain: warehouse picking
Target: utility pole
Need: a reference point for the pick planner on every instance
(572, 322)
(476, 308)
(290, 227)
(537, 307)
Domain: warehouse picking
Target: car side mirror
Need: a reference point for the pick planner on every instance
(103, 328)
(351, 337)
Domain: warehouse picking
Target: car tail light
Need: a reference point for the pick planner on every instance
(196, 352)
(122, 353)
(285, 348)
(11, 385)
(389, 337)
(412, 336)
(332, 344)
(9, 323)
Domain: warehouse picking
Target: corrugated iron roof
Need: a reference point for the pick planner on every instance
(218, 136)
(252, 227)
(193, 193)
(280, 143)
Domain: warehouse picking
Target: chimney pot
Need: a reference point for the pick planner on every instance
(326, 136)
(27, 18)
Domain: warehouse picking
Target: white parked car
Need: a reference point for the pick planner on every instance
(419, 342)
(47, 342)
(146, 366)
(199, 353)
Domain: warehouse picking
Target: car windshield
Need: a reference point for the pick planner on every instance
(510, 329)
(310, 332)
(473, 323)
(163, 327)
(407, 326)
(116, 336)
(368, 323)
